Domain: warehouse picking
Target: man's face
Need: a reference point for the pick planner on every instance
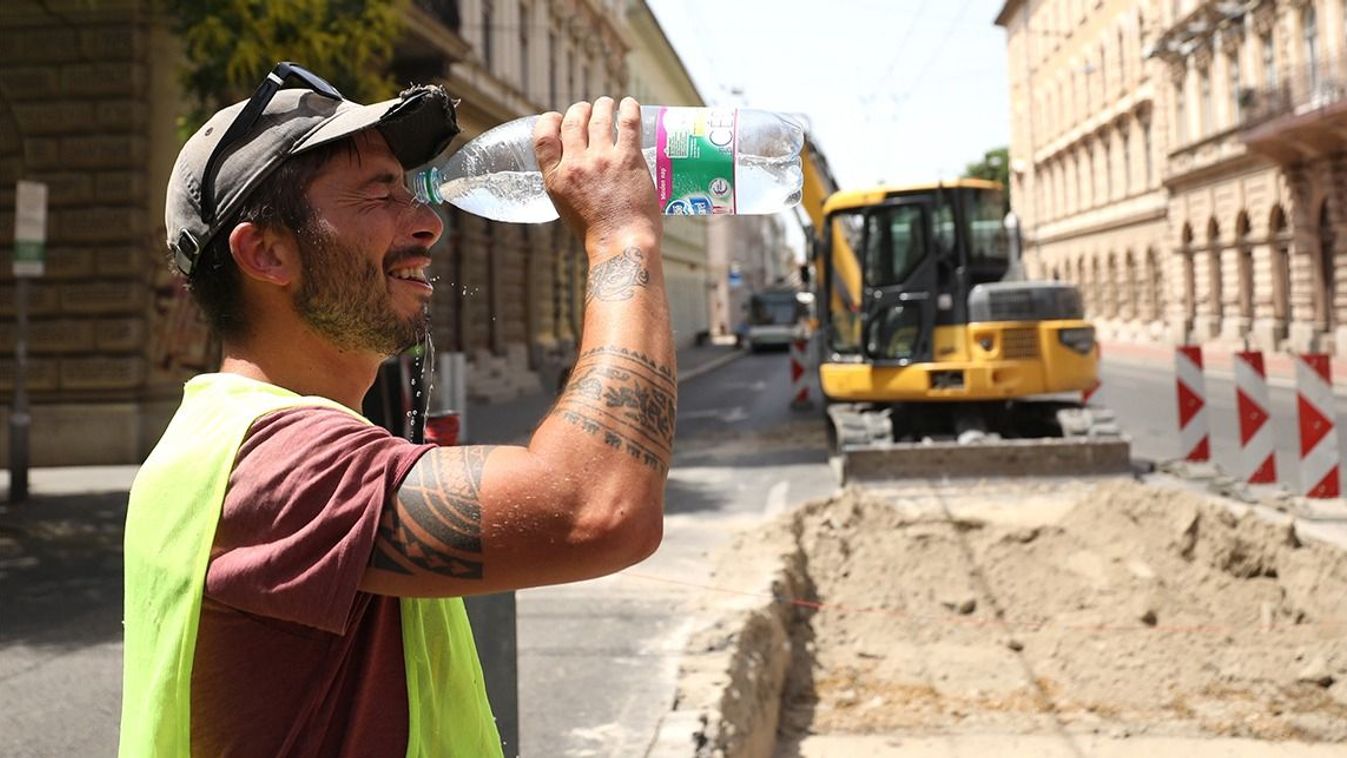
(365, 253)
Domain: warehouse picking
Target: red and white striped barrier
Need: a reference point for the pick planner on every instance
(1257, 445)
(1319, 460)
(799, 377)
(1089, 392)
(1194, 432)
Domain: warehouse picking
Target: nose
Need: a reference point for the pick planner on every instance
(425, 224)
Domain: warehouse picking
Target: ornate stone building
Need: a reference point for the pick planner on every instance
(1222, 224)
(89, 103)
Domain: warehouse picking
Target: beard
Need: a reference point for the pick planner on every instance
(344, 297)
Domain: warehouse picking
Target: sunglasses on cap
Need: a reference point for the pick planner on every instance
(247, 118)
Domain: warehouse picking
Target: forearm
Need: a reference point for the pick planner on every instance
(617, 410)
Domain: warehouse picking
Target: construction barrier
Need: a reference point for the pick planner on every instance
(1089, 392)
(1319, 461)
(799, 376)
(1194, 431)
(1257, 444)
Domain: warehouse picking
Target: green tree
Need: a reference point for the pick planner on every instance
(994, 166)
(230, 45)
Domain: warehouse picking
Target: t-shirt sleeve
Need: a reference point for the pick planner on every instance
(299, 519)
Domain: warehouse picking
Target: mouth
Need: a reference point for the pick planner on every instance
(412, 272)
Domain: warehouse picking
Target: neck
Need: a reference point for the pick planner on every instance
(304, 363)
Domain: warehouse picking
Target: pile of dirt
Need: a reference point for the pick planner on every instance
(1115, 608)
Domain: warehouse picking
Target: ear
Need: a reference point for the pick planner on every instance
(264, 254)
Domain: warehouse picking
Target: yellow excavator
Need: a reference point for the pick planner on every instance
(935, 356)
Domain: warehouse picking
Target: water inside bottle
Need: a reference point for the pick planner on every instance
(518, 195)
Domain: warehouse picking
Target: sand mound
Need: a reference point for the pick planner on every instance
(1114, 608)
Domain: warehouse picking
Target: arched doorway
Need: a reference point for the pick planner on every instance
(1244, 250)
(1130, 293)
(1214, 294)
(1155, 284)
(1325, 274)
(1186, 255)
(1279, 238)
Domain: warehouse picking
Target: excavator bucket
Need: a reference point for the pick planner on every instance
(882, 462)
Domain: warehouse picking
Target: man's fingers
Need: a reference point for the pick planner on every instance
(629, 124)
(574, 128)
(601, 122)
(547, 141)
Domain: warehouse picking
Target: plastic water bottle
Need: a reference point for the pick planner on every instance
(703, 161)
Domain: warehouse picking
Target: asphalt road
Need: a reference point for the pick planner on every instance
(598, 660)
(1143, 397)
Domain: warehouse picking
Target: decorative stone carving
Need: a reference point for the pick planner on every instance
(1203, 54)
(1264, 19)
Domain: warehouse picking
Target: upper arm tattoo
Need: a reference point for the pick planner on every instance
(626, 399)
(435, 523)
(618, 277)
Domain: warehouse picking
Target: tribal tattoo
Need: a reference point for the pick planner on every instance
(435, 525)
(625, 399)
(618, 277)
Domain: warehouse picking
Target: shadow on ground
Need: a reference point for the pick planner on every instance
(61, 569)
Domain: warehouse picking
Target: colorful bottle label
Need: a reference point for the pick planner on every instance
(694, 160)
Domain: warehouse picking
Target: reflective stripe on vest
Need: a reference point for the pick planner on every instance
(170, 527)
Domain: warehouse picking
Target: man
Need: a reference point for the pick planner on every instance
(293, 573)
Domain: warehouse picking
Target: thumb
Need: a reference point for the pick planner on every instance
(547, 142)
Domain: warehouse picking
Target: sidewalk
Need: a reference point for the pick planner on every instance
(501, 423)
(1219, 360)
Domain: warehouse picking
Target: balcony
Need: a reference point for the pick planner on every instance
(443, 11)
(1303, 116)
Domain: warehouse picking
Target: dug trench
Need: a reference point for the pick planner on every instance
(1083, 614)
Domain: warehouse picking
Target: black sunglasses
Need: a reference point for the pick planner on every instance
(248, 117)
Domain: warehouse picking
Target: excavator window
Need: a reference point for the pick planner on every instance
(895, 242)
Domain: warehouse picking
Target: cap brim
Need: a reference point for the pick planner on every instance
(349, 119)
(418, 125)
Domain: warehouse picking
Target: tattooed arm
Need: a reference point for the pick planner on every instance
(586, 497)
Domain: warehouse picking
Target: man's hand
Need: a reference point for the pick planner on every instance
(601, 188)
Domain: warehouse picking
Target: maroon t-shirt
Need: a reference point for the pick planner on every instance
(291, 658)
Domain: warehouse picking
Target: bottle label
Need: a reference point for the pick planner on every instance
(694, 160)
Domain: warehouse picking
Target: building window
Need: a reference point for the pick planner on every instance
(1204, 92)
(1269, 61)
(1180, 115)
(1309, 21)
(552, 66)
(488, 28)
(1146, 147)
(1236, 85)
(1108, 171)
(1125, 140)
(524, 48)
(1122, 61)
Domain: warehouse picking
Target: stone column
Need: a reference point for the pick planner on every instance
(1206, 284)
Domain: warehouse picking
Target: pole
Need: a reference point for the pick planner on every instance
(19, 419)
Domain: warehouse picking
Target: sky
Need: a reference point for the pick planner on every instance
(894, 91)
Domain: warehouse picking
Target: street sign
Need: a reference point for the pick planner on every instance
(30, 229)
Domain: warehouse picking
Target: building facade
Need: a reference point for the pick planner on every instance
(1178, 160)
(89, 104)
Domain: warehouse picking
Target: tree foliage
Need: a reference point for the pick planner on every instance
(230, 46)
(994, 166)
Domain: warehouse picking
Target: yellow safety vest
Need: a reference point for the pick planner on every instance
(170, 527)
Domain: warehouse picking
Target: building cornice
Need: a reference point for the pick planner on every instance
(1003, 18)
(1116, 215)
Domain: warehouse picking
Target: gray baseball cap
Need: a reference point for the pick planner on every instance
(418, 125)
